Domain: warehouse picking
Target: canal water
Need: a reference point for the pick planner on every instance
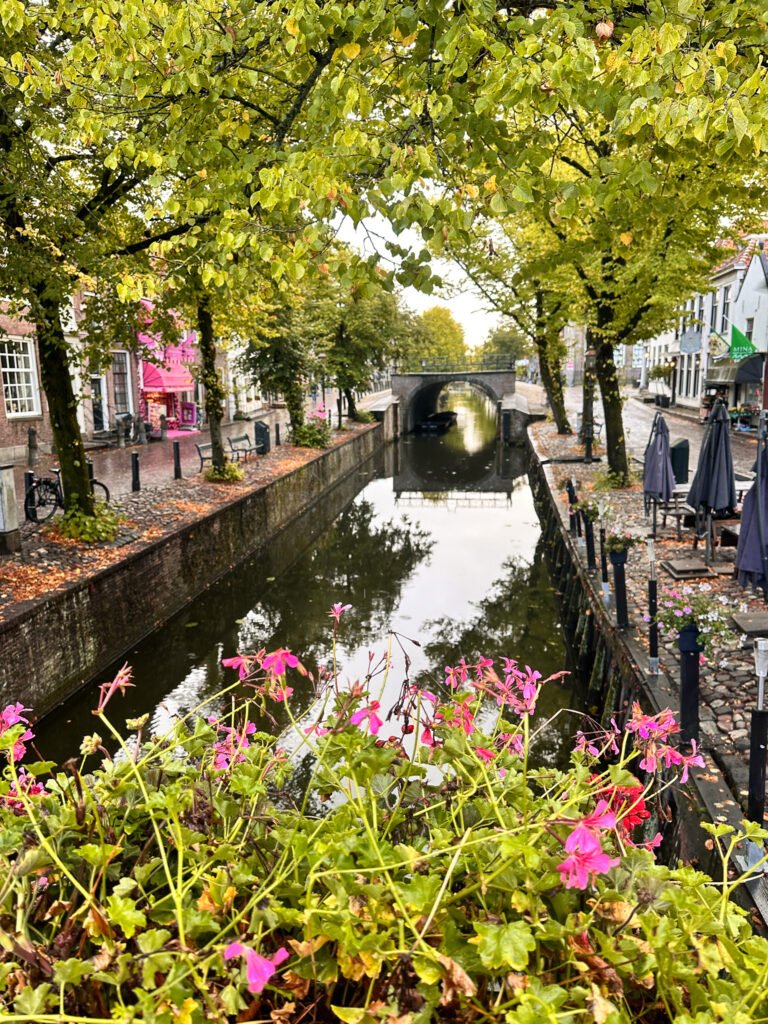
(435, 544)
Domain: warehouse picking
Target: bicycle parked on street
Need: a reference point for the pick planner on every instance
(46, 495)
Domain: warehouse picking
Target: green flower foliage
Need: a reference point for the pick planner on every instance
(428, 875)
(230, 473)
(101, 527)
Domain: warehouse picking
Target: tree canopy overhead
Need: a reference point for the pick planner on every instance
(245, 130)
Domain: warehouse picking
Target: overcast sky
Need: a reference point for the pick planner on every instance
(464, 302)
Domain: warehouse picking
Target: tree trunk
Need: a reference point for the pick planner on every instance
(351, 404)
(612, 413)
(211, 380)
(62, 403)
(550, 368)
(294, 402)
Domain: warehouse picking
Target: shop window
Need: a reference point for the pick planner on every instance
(19, 373)
(750, 327)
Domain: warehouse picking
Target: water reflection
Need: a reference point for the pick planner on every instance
(441, 547)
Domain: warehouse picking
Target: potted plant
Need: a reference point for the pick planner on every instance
(618, 543)
(697, 617)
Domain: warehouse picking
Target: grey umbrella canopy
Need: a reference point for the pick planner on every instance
(713, 489)
(658, 476)
(752, 552)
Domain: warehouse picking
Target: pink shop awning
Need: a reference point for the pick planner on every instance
(158, 378)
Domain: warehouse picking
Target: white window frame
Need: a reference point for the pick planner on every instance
(29, 350)
(128, 376)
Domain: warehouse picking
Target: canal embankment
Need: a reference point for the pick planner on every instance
(67, 611)
(616, 660)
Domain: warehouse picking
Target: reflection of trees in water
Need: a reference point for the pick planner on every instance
(358, 561)
(516, 621)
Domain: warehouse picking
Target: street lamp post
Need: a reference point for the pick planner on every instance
(672, 364)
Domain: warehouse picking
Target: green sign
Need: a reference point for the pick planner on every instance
(741, 346)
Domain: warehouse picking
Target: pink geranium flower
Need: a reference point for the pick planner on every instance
(601, 818)
(374, 722)
(239, 663)
(338, 609)
(258, 969)
(584, 861)
(278, 662)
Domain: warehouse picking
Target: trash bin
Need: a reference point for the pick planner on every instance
(663, 401)
(679, 453)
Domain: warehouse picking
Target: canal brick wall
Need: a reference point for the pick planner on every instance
(52, 646)
(614, 663)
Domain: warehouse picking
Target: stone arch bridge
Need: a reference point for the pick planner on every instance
(417, 392)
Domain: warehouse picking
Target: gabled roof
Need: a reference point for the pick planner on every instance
(742, 255)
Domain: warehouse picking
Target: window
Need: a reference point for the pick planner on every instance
(688, 368)
(700, 313)
(725, 319)
(750, 327)
(19, 373)
(713, 314)
(121, 382)
(696, 374)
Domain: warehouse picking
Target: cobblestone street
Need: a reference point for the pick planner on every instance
(728, 686)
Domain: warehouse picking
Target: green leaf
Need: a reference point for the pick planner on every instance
(504, 945)
(124, 914)
(72, 971)
(33, 1000)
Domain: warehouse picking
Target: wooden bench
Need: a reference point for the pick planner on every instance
(205, 451)
(241, 447)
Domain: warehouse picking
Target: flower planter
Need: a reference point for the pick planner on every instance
(618, 557)
(688, 640)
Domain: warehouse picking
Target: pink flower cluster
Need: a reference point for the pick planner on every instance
(266, 671)
(228, 751)
(651, 733)
(12, 715)
(26, 785)
(586, 857)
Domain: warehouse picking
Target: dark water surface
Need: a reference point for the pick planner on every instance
(436, 539)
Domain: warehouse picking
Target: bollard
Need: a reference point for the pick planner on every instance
(690, 649)
(339, 408)
(135, 478)
(277, 435)
(653, 607)
(176, 460)
(10, 535)
(604, 564)
(33, 451)
(589, 537)
(618, 561)
(89, 466)
(29, 479)
(758, 741)
(572, 514)
(141, 431)
(121, 427)
(163, 427)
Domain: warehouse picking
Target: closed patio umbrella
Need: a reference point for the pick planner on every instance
(752, 552)
(658, 475)
(713, 489)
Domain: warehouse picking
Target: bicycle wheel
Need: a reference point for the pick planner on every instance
(41, 501)
(100, 491)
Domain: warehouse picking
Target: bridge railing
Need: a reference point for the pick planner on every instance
(471, 364)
